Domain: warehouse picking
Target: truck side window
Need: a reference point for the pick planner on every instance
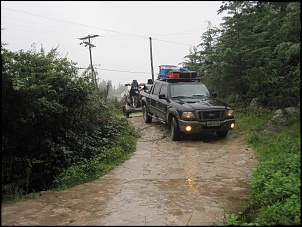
(156, 88)
(163, 90)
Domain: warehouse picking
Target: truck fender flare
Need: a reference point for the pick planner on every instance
(172, 113)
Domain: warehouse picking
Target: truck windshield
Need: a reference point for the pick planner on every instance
(194, 90)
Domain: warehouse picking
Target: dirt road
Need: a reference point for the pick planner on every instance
(188, 182)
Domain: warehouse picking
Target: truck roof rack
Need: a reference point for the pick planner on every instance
(180, 79)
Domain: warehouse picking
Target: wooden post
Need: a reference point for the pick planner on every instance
(151, 59)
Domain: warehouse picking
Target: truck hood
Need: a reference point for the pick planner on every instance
(192, 104)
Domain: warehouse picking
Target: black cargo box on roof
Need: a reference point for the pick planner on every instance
(188, 74)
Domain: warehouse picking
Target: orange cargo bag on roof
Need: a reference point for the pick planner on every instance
(173, 75)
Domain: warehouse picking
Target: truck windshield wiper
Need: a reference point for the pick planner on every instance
(199, 95)
(181, 97)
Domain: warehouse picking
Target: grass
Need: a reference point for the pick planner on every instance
(92, 169)
(275, 188)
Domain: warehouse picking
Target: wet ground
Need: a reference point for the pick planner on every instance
(196, 181)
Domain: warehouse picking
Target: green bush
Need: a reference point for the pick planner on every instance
(53, 120)
(88, 170)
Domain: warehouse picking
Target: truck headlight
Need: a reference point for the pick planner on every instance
(230, 113)
(188, 115)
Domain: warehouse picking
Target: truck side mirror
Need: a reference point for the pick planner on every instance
(214, 95)
(162, 96)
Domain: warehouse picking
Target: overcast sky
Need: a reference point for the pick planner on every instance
(122, 49)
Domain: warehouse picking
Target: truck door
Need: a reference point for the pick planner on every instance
(162, 103)
(153, 105)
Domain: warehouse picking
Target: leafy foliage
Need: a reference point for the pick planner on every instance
(101, 163)
(52, 118)
(276, 190)
(275, 187)
(255, 53)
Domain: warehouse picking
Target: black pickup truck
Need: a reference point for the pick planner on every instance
(187, 106)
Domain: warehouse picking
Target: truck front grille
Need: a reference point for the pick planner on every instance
(210, 115)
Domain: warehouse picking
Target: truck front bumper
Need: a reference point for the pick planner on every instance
(206, 126)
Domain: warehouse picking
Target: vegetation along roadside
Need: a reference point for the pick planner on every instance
(56, 123)
(275, 187)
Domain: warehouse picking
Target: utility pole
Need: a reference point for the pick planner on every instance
(89, 37)
(151, 59)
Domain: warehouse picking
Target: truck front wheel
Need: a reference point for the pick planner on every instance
(146, 117)
(175, 131)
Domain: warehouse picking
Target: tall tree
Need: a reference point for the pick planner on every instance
(255, 53)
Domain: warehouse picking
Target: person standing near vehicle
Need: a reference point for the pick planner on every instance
(134, 93)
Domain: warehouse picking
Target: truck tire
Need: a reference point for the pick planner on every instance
(222, 134)
(146, 116)
(175, 131)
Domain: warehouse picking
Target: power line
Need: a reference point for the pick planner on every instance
(172, 42)
(114, 70)
(50, 18)
(90, 45)
(124, 33)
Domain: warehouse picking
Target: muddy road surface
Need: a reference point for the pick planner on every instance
(195, 181)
